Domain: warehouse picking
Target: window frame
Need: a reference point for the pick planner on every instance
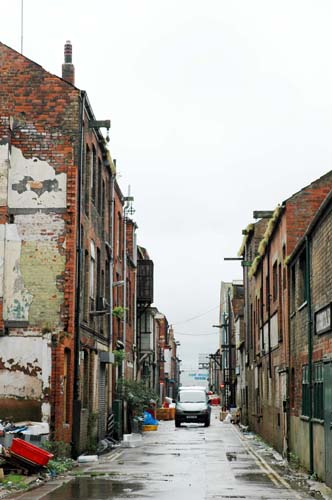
(305, 391)
(318, 384)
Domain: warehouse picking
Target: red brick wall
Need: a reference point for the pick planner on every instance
(45, 111)
(301, 207)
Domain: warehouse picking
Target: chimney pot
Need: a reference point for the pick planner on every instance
(68, 52)
(68, 69)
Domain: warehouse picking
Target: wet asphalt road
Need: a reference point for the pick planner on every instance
(191, 462)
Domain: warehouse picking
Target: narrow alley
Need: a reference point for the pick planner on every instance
(188, 462)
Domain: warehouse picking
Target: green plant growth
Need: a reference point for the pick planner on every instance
(14, 481)
(92, 432)
(60, 449)
(119, 356)
(60, 466)
(137, 394)
(118, 312)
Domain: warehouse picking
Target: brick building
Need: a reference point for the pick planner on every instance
(310, 346)
(61, 212)
(266, 309)
(248, 400)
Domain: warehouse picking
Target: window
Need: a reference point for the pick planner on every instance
(103, 204)
(252, 326)
(100, 201)
(318, 391)
(93, 175)
(119, 236)
(292, 389)
(87, 174)
(86, 286)
(107, 292)
(302, 278)
(92, 270)
(129, 306)
(305, 391)
(275, 281)
(99, 288)
(85, 384)
(280, 305)
(284, 270)
(293, 289)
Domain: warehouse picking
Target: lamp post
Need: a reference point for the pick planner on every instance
(226, 347)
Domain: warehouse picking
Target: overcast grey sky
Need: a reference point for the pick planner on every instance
(218, 108)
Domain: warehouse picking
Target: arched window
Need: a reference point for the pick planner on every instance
(92, 270)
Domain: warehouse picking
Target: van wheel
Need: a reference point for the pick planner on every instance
(177, 423)
(207, 423)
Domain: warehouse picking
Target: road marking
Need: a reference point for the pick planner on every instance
(116, 455)
(272, 474)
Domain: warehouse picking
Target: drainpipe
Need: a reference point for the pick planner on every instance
(261, 324)
(309, 308)
(231, 399)
(124, 290)
(289, 374)
(76, 392)
(135, 311)
(269, 311)
(111, 268)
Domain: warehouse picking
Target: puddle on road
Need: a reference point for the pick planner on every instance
(97, 488)
(255, 477)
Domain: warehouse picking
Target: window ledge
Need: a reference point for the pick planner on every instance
(302, 306)
(318, 420)
(305, 418)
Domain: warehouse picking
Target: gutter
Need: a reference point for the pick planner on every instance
(111, 269)
(268, 311)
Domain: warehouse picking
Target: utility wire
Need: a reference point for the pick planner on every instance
(195, 317)
(194, 334)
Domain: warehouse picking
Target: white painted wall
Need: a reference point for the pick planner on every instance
(27, 368)
(35, 172)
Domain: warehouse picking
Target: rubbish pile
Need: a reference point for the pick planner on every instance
(32, 432)
(20, 446)
(150, 423)
(23, 457)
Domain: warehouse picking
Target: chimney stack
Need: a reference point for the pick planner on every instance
(68, 69)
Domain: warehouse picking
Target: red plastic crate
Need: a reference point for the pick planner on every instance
(30, 452)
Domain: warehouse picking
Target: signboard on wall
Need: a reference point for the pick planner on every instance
(323, 320)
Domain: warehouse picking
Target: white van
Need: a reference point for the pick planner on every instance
(192, 405)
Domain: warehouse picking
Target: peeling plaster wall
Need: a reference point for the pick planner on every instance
(33, 247)
(2, 253)
(17, 298)
(25, 370)
(33, 183)
(42, 266)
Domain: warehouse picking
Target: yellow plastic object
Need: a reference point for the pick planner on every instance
(150, 428)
